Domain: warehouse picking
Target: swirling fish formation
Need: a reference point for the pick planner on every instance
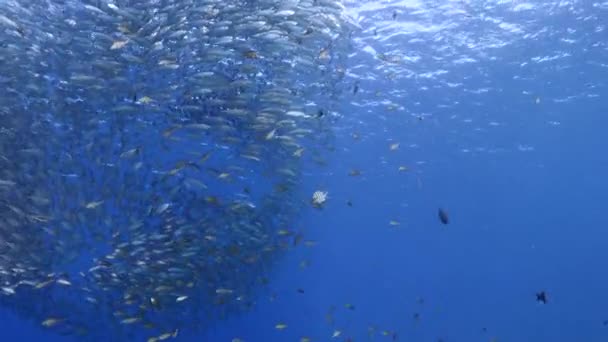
(150, 150)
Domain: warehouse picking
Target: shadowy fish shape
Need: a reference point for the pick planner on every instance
(541, 297)
(443, 216)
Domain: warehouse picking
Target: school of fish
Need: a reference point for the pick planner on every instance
(149, 152)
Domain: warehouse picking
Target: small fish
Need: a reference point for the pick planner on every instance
(319, 198)
(443, 216)
(297, 239)
(162, 208)
(63, 282)
(298, 152)
(221, 291)
(394, 223)
(43, 284)
(394, 146)
(271, 134)
(8, 290)
(280, 326)
(212, 200)
(250, 157)
(250, 54)
(145, 100)
(205, 157)
(130, 153)
(336, 334)
(169, 132)
(93, 205)
(181, 298)
(541, 297)
(130, 320)
(7, 183)
(165, 336)
(310, 243)
(119, 44)
(51, 322)
(324, 54)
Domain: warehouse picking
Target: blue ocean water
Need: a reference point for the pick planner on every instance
(495, 112)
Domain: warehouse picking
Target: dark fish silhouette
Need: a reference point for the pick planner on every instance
(541, 297)
(443, 216)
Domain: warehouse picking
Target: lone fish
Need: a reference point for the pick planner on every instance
(443, 216)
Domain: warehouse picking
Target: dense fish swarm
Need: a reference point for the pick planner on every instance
(150, 152)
